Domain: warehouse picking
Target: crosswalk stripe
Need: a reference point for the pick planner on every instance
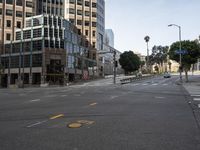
(195, 95)
(196, 99)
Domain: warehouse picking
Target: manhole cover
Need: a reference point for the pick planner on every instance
(74, 125)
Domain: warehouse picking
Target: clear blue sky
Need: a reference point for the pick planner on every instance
(132, 20)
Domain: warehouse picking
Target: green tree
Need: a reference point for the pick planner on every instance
(193, 53)
(159, 56)
(129, 61)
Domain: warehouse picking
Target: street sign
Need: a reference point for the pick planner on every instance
(183, 51)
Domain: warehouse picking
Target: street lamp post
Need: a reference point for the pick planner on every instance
(147, 38)
(180, 47)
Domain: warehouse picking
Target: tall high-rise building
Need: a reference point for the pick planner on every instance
(12, 16)
(87, 15)
(109, 37)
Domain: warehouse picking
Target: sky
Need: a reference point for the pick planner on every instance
(132, 20)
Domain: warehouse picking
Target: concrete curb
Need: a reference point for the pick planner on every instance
(133, 79)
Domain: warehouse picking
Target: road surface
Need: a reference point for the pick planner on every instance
(152, 114)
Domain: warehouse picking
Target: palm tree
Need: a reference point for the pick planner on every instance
(147, 38)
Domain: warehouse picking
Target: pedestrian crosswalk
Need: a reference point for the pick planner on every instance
(194, 92)
(149, 84)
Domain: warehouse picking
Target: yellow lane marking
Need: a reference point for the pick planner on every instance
(93, 104)
(74, 125)
(80, 123)
(57, 116)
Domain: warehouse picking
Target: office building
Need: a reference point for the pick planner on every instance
(109, 37)
(48, 50)
(12, 16)
(87, 15)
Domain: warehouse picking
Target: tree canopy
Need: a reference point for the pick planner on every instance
(159, 55)
(191, 57)
(129, 61)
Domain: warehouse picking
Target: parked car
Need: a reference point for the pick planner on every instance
(167, 75)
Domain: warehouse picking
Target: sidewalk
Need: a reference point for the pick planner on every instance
(193, 88)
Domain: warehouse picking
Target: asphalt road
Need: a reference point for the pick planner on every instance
(152, 114)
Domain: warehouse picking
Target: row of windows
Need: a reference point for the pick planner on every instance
(14, 61)
(26, 47)
(53, 10)
(80, 12)
(54, 1)
(85, 23)
(9, 24)
(80, 2)
(9, 12)
(19, 3)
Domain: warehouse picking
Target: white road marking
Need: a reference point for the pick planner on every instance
(145, 84)
(159, 97)
(196, 99)
(35, 100)
(113, 97)
(195, 95)
(155, 84)
(35, 124)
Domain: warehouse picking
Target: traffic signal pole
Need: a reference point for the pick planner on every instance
(114, 64)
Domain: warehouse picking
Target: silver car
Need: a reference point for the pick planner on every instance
(167, 75)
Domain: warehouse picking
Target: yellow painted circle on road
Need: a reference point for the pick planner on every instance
(74, 125)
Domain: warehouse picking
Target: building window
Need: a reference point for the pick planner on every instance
(8, 23)
(18, 24)
(94, 14)
(9, 12)
(8, 36)
(29, 4)
(87, 13)
(19, 2)
(18, 14)
(71, 11)
(72, 21)
(9, 2)
(79, 12)
(86, 32)
(94, 5)
(93, 44)
(87, 23)
(94, 24)
(93, 33)
(28, 14)
(79, 2)
(87, 3)
(79, 22)
(72, 1)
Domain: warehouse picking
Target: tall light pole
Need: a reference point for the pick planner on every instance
(180, 54)
(147, 38)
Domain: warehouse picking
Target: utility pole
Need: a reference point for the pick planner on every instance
(180, 51)
(114, 64)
